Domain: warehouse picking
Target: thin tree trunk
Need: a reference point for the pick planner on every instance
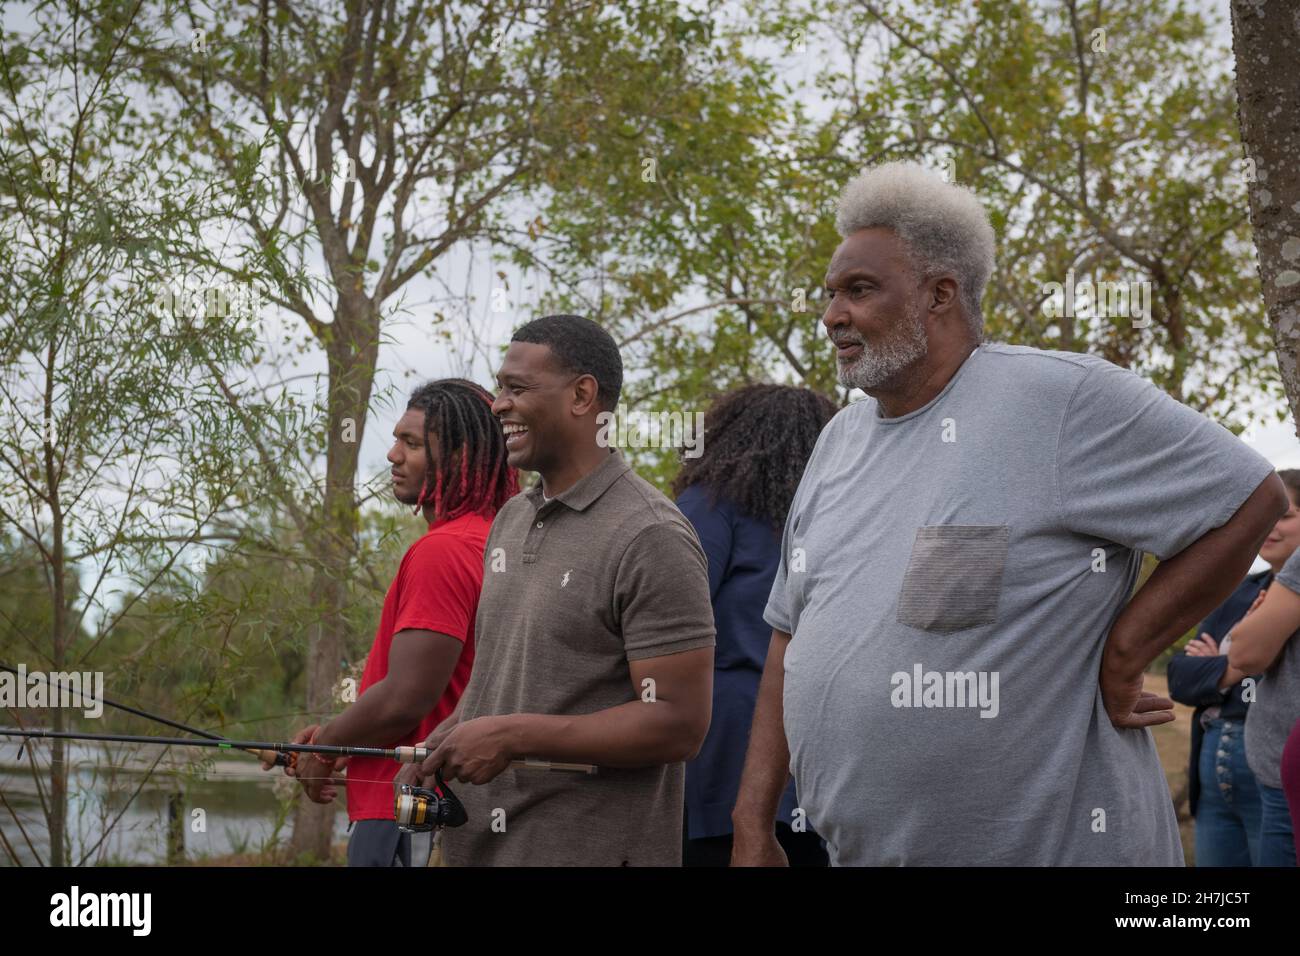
(175, 828)
(352, 348)
(58, 752)
(1266, 44)
(313, 824)
(1177, 329)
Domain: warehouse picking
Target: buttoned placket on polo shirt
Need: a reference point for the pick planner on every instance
(546, 514)
(586, 490)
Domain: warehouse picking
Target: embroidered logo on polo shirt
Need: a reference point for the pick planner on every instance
(564, 581)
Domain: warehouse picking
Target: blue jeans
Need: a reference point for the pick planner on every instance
(1228, 812)
(1276, 842)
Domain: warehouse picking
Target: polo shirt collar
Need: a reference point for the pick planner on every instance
(589, 487)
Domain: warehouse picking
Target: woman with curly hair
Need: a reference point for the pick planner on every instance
(757, 440)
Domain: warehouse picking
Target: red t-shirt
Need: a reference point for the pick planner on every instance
(436, 589)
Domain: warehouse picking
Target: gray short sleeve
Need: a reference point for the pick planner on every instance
(1289, 576)
(1136, 467)
(779, 611)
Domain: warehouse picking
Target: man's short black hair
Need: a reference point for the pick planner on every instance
(582, 348)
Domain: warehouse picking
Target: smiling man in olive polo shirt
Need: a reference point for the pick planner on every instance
(595, 634)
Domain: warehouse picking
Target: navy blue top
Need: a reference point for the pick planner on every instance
(743, 555)
(1194, 681)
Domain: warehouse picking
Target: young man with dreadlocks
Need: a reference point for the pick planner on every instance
(449, 460)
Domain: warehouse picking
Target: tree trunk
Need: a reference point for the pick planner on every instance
(352, 347)
(58, 752)
(1177, 328)
(313, 824)
(58, 791)
(175, 828)
(1266, 43)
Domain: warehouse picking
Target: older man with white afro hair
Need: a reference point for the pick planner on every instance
(941, 235)
(943, 225)
(956, 666)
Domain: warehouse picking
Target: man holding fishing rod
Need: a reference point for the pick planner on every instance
(449, 461)
(595, 634)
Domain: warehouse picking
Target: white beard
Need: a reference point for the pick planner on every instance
(880, 363)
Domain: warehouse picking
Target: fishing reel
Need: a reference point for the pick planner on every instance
(419, 810)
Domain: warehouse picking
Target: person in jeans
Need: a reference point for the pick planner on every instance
(736, 495)
(1222, 793)
(1265, 642)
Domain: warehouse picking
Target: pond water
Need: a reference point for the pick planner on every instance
(119, 811)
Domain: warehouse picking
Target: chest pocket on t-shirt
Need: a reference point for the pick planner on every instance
(954, 577)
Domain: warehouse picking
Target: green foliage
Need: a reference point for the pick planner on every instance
(227, 648)
(683, 221)
(1113, 156)
(174, 519)
(119, 446)
(1104, 140)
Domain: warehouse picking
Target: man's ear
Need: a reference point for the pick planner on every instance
(585, 395)
(943, 294)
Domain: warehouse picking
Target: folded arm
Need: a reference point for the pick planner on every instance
(1258, 638)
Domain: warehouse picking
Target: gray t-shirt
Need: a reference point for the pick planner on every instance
(1277, 698)
(949, 577)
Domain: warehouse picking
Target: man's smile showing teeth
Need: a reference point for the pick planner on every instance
(514, 432)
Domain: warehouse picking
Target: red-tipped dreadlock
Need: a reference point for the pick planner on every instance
(458, 416)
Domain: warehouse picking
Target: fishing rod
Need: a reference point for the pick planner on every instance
(276, 759)
(400, 754)
(416, 809)
(285, 757)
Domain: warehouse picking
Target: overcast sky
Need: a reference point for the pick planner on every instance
(413, 353)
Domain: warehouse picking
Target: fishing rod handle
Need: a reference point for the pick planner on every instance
(535, 763)
(411, 754)
(273, 757)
